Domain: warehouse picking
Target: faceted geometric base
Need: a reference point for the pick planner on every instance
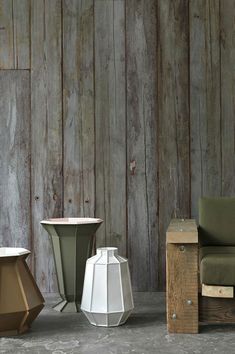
(65, 306)
(22, 321)
(107, 319)
(14, 332)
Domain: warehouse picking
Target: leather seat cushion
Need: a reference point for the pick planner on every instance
(217, 265)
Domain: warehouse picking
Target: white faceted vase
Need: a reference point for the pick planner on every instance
(107, 295)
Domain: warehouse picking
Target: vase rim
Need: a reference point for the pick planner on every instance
(107, 249)
(12, 251)
(71, 221)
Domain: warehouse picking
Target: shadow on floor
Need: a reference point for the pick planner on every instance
(217, 328)
(143, 319)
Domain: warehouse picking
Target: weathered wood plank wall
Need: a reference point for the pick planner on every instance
(173, 118)
(110, 121)
(46, 131)
(15, 220)
(205, 105)
(141, 57)
(126, 112)
(78, 108)
(227, 102)
(15, 34)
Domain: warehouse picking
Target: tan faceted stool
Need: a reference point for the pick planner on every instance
(20, 298)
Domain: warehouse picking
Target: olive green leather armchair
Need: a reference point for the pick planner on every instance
(201, 267)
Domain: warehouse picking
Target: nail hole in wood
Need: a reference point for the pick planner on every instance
(132, 167)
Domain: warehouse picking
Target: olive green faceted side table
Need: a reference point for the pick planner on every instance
(72, 241)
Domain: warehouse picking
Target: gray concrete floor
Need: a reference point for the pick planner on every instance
(144, 333)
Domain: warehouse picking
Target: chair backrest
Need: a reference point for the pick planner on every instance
(217, 221)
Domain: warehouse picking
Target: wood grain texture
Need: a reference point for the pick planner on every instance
(214, 310)
(6, 35)
(78, 108)
(133, 104)
(217, 291)
(173, 119)
(182, 286)
(182, 231)
(14, 34)
(21, 33)
(110, 122)
(205, 101)
(227, 30)
(46, 109)
(15, 220)
(141, 23)
(141, 34)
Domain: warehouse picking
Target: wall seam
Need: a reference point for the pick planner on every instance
(94, 108)
(220, 87)
(62, 107)
(189, 113)
(126, 127)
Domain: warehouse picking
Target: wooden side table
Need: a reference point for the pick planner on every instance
(182, 276)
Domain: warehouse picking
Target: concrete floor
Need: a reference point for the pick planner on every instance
(144, 333)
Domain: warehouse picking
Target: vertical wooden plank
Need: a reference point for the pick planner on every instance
(46, 107)
(142, 162)
(204, 100)
(14, 34)
(110, 114)
(21, 28)
(78, 97)
(15, 159)
(6, 35)
(173, 118)
(227, 19)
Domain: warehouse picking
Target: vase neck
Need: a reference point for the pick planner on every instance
(107, 251)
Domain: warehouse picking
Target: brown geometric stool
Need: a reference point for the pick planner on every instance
(20, 298)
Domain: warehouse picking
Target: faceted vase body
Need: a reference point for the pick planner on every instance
(107, 295)
(20, 298)
(72, 241)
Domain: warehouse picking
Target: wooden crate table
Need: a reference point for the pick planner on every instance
(182, 276)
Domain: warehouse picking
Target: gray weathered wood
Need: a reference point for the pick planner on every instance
(14, 34)
(6, 35)
(15, 215)
(132, 146)
(21, 32)
(204, 101)
(78, 97)
(227, 30)
(173, 118)
(142, 143)
(46, 109)
(110, 115)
